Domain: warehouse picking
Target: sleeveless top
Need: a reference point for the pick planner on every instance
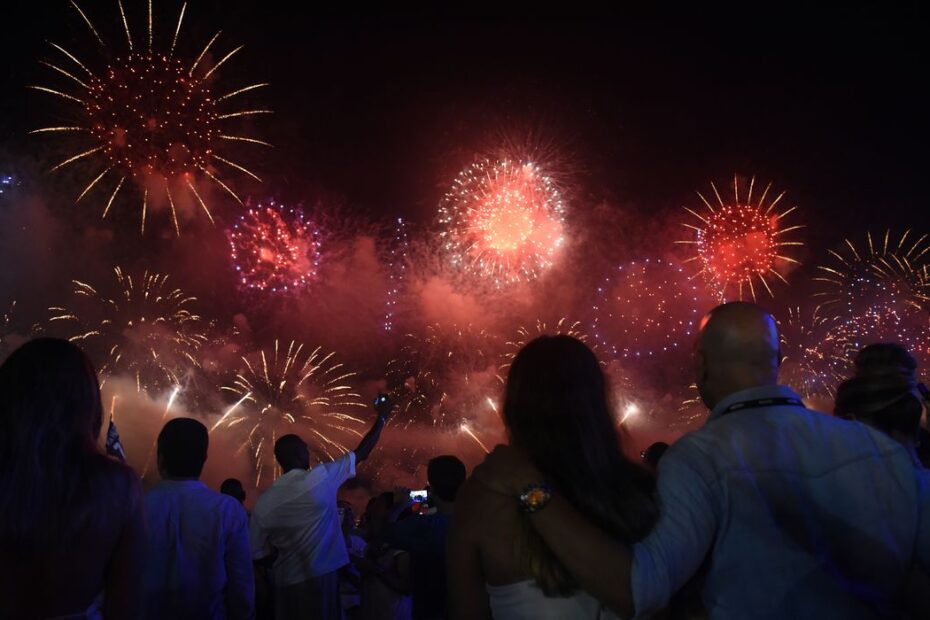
(524, 601)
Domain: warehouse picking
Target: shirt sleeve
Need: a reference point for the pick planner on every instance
(922, 549)
(675, 549)
(240, 577)
(258, 538)
(341, 469)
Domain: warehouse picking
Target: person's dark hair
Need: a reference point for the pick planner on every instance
(556, 409)
(446, 475)
(233, 488)
(883, 391)
(291, 452)
(654, 453)
(182, 446)
(50, 464)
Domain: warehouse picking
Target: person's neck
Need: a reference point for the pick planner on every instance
(741, 386)
(298, 467)
(181, 479)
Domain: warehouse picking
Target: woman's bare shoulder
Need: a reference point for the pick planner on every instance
(477, 506)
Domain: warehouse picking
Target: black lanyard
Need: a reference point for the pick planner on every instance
(778, 401)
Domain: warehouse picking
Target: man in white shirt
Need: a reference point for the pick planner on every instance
(297, 517)
(199, 562)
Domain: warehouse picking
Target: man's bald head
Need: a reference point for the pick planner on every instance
(738, 348)
(292, 453)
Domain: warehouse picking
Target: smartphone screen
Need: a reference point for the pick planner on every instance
(419, 496)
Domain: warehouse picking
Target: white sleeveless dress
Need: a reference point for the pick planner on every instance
(525, 601)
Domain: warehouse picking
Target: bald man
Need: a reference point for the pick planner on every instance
(793, 513)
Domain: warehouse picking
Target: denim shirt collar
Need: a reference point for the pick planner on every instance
(755, 393)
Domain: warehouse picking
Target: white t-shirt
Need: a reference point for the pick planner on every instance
(297, 515)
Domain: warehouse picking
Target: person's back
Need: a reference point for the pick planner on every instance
(298, 519)
(494, 522)
(199, 563)
(71, 523)
(798, 514)
(823, 510)
(426, 538)
(190, 529)
(557, 414)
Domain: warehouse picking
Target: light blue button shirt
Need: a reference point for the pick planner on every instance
(803, 516)
(199, 562)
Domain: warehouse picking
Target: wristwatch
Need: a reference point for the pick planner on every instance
(535, 497)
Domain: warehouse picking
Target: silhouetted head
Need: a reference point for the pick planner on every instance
(446, 474)
(50, 419)
(653, 454)
(556, 409)
(292, 453)
(233, 488)
(50, 398)
(737, 349)
(883, 392)
(182, 449)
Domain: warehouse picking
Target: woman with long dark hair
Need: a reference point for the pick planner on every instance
(71, 530)
(556, 410)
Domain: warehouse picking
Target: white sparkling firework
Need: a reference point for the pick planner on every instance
(145, 329)
(295, 390)
(502, 222)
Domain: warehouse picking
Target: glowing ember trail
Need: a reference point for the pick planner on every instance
(502, 222)
(465, 429)
(164, 416)
(740, 243)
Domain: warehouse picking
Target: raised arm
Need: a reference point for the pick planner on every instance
(383, 407)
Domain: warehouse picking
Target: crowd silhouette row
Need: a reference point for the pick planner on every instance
(769, 510)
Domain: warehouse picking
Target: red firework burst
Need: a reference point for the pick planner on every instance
(149, 116)
(740, 242)
(646, 309)
(273, 248)
(502, 221)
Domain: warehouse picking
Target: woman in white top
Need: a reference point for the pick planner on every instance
(556, 409)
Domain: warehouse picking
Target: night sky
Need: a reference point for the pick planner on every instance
(375, 115)
(382, 110)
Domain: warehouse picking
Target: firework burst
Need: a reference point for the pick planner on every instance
(438, 378)
(297, 390)
(502, 222)
(807, 366)
(646, 309)
(879, 293)
(145, 330)
(892, 270)
(149, 117)
(274, 248)
(741, 243)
